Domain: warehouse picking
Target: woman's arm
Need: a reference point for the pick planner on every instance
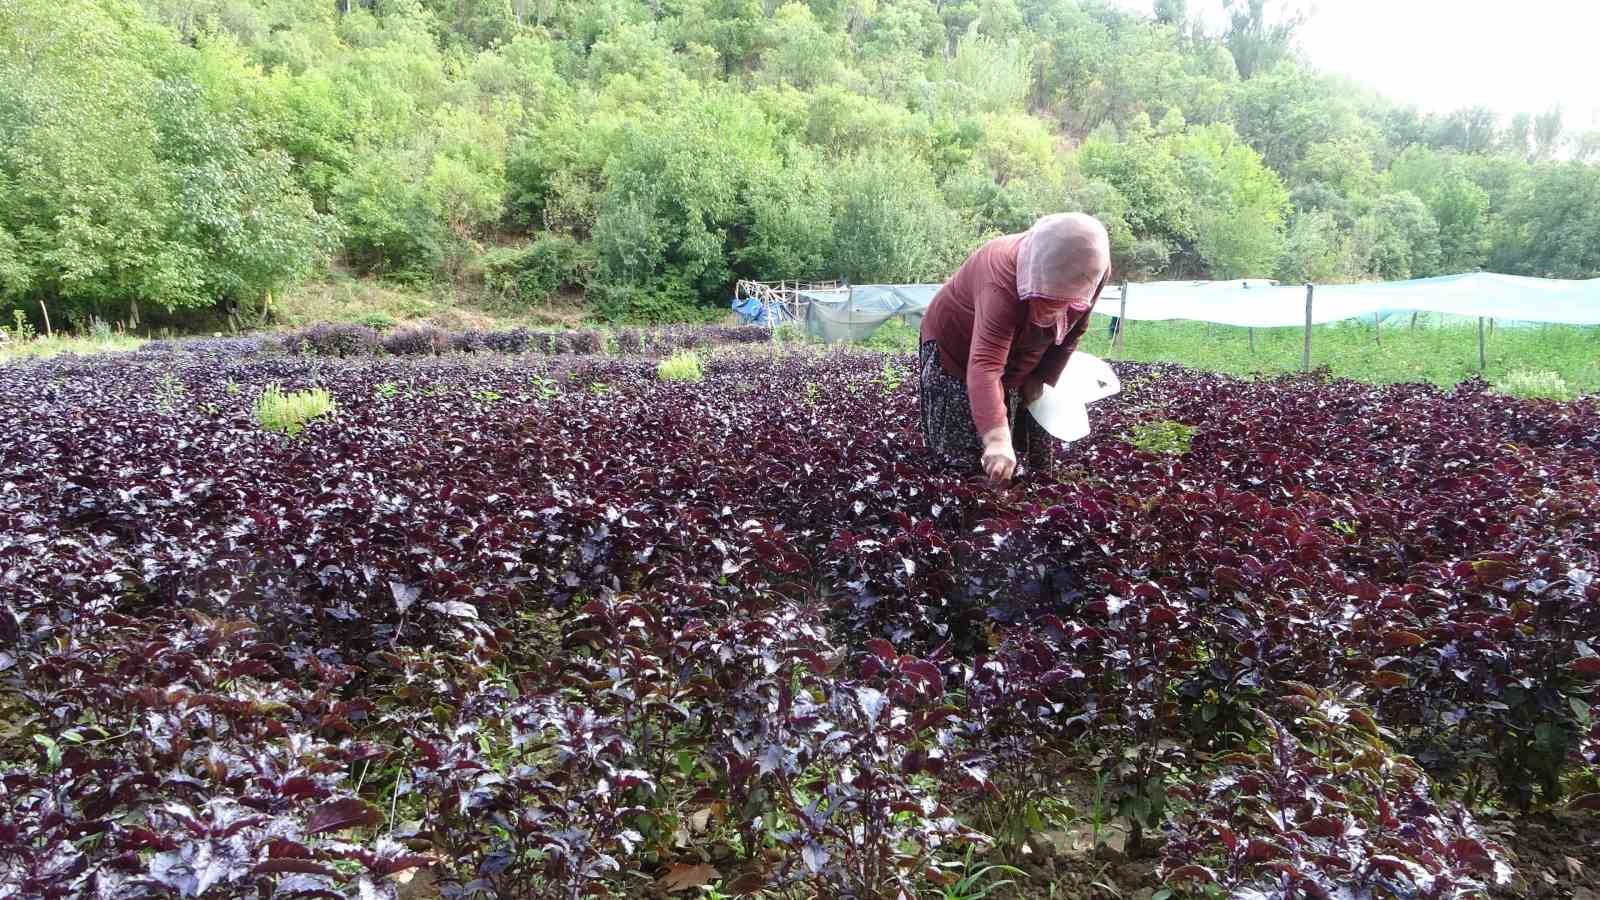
(996, 315)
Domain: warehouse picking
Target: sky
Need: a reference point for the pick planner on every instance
(1526, 55)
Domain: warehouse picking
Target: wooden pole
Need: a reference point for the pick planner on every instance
(1377, 329)
(1122, 319)
(46, 310)
(1413, 321)
(1252, 340)
(1483, 360)
(850, 316)
(1305, 355)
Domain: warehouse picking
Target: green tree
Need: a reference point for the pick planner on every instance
(1239, 203)
(1256, 43)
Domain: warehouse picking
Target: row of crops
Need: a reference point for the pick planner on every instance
(340, 340)
(564, 634)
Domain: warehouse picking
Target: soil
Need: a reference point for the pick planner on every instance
(1555, 855)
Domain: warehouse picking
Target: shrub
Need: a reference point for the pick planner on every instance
(685, 365)
(1531, 385)
(333, 339)
(532, 274)
(469, 341)
(377, 321)
(418, 340)
(630, 340)
(893, 336)
(588, 341)
(289, 413)
(514, 340)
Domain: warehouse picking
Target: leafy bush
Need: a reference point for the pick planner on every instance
(1531, 385)
(333, 339)
(549, 264)
(289, 413)
(417, 340)
(893, 336)
(377, 321)
(685, 365)
(514, 340)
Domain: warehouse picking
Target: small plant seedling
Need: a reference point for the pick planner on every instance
(684, 365)
(289, 413)
(1530, 385)
(387, 390)
(544, 388)
(1165, 437)
(486, 396)
(890, 377)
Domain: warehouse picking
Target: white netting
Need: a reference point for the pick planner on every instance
(842, 314)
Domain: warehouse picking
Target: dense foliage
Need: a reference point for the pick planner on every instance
(648, 153)
(547, 628)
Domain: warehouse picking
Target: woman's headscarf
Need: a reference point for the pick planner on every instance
(1063, 262)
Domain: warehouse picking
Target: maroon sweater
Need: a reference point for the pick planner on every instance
(984, 333)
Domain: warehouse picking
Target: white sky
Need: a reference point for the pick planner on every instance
(1510, 55)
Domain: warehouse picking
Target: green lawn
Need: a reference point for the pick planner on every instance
(43, 348)
(1544, 360)
(1441, 354)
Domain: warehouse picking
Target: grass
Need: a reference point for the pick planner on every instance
(46, 347)
(289, 413)
(344, 298)
(1443, 355)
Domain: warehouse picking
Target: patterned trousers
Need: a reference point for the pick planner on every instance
(947, 424)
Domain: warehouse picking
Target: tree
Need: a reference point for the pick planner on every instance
(1257, 44)
(1239, 203)
(1518, 137)
(1317, 251)
(1397, 238)
(1553, 227)
(1547, 133)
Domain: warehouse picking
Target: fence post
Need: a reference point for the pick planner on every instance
(1483, 361)
(1122, 320)
(1305, 355)
(850, 316)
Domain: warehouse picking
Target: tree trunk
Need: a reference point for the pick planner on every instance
(133, 314)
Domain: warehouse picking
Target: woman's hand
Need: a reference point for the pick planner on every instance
(999, 460)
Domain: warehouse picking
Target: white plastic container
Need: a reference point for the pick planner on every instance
(1063, 410)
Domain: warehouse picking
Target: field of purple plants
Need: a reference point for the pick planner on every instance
(548, 627)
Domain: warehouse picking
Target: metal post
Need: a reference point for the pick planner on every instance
(1483, 361)
(1305, 356)
(46, 310)
(1122, 320)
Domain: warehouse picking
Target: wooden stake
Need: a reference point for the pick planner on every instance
(1305, 355)
(1413, 321)
(1377, 329)
(1252, 339)
(1122, 319)
(1483, 360)
(46, 310)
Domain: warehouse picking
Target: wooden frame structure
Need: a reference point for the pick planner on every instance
(788, 296)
